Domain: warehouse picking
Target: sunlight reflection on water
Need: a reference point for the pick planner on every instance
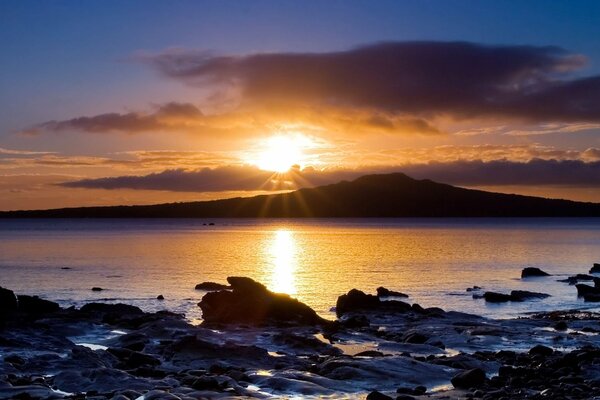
(283, 252)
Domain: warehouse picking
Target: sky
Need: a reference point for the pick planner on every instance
(141, 102)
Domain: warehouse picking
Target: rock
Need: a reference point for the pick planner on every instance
(474, 288)
(97, 289)
(383, 292)
(160, 297)
(561, 326)
(404, 397)
(369, 353)
(104, 308)
(211, 286)
(8, 301)
(493, 297)
(571, 280)
(355, 321)
(417, 391)
(583, 289)
(597, 282)
(467, 379)
(532, 271)
(206, 383)
(356, 300)
(35, 305)
(250, 302)
(522, 295)
(415, 338)
(591, 297)
(541, 350)
(375, 395)
(595, 269)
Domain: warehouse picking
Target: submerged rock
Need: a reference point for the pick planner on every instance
(515, 295)
(211, 286)
(383, 292)
(356, 301)
(250, 302)
(533, 271)
(472, 378)
(522, 295)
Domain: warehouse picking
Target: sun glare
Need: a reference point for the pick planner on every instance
(280, 153)
(283, 255)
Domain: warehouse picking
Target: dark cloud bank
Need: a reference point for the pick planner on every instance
(249, 178)
(419, 78)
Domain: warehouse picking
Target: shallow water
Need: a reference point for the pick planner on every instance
(432, 260)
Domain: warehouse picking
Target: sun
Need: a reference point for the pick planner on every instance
(280, 153)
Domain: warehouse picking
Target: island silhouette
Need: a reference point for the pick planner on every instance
(393, 195)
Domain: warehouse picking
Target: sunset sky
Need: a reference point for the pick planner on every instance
(138, 102)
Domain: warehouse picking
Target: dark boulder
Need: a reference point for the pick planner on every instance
(383, 292)
(541, 351)
(522, 295)
(583, 289)
(357, 301)
(595, 269)
(160, 297)
(211, 286)
(104, 308)
(597, 282)
(561, 326)
(375, 395)
(97, 289)
(250, 302)
(8, 301)
(591, 297)
(467, 379)
(533, 271)
(572, 280)
(35, 305)
(494, 297)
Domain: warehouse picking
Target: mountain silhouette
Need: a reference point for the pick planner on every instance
(386, 195)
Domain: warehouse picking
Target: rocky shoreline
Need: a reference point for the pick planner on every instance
(257, 344)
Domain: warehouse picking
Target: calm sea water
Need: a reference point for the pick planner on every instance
(432, 260)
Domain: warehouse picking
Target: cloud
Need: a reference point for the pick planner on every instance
(250, 178)
(169, 116)
(419, 79)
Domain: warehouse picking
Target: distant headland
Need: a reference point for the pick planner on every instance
(372, 196)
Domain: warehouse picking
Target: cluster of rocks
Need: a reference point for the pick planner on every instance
(254, 343)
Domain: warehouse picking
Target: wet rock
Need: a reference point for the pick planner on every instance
(369, 353)
(375, 395)
(494, 297)
(211, 286)
(468, 379)
(357, 301)
(160, 297)
(595, 269)
(541, 350)
(355, 321)
(97, 289)
(583, 289)
(105, 308)
(35, 305)
(473, 289)
(251, 303)
(8, 301)
(206, 383)
(522, 295)
(415, 338)
(532, 271)
(561, 326)
(383, 292)
(591, 297)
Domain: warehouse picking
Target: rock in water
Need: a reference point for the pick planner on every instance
(468, 379)
(97, 289)
(250, 302)
(595, 269)
(211, 286)
(583, 289)
(383, 292)
(522, 295)
(356, 301)
(494, 297)
(533, 271)
(8, 302)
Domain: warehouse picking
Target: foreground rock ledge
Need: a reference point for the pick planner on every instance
(250, 302)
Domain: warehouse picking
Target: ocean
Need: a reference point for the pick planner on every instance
(434, 261)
